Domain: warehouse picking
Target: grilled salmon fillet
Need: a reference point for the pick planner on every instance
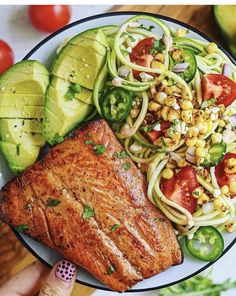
(87, 200)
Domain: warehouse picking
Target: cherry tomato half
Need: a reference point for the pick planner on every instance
(180, 188)
(219, 87)
(6, 56)
(49, 18)
(154, 135)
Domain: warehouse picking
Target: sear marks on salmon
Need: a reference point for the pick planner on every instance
(87, 199)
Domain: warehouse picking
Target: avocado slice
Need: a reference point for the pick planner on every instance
(8, 125)
(96, 34)
(17, 100)
(18, 155)
(225, 18)
(62, 114)
(22, 100)
(26, 77)
(22, 112)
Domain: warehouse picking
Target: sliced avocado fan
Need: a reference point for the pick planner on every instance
(22, 100)
(74, 71)
(226, 20)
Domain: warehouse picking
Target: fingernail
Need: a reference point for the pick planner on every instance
(65, 271)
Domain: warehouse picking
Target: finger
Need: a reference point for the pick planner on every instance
(26, 282)
(60, 281)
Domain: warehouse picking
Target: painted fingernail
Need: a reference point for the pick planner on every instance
(65, 271)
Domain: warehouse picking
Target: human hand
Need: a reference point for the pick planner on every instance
(37, 278)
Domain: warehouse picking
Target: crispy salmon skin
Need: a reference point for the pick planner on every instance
(87, 200)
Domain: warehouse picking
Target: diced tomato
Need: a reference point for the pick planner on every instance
(219, 87)
(180, 187)
(141, 55)
(221, 176)
(154, 135)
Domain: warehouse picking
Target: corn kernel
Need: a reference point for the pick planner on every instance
(191, 141)
(224, 189)
(160, 57)
(222, 123)
(197, 192)
(153, 106)
(164, 113)
(230, 166)
(181, 32)
(193, 131)
(134, 112)
(203, 128)
(216, 138)
(157, 65)
(177, 55)
(209, 125)
(186, 104)
(211, 47)
(203, 198)
(170, 101)
(218, 204)
(167, 173)
(201, 152)
(187, 116)
(181, 163)
(173, 115)
(184, 94)
(232, 187)
(230, 227)
(200, 143)
(160, 97)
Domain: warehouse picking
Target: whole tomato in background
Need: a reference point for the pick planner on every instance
(49, 18)
(6, 56)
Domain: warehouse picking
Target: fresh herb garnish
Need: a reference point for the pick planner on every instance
(157, 46)
(57, 139)
(150, 28)
(208, 103)
(53, 202)
(18, 149)
(99, 149)
(73, 89)
(88, 212)
(126, 166)
(147, 128)
(163, 142)
(161, 220)
(21, 227)
(132, 39)
(76, 88)
(111, 269)
(70, 95)
(172, 129)
(88, 142)
(122, 154)
(198, 285)
(114, 227)
(125, 52)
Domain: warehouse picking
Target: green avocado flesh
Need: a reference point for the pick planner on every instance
(22, 100)
(225, 17)
(78, 63)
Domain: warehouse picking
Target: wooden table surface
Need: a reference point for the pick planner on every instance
(13, 256)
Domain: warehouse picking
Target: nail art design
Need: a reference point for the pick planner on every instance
(65, 271)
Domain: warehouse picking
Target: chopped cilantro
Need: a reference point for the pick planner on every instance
(163, 143)
(172, 129)
(18, 149)
(88, 212)
(208, 103)
(157, 46)
(150, 28)
(125, 52)
(132, 39)
(99, 149)
(111, 269)
(57, 139)
(126, 166)
(70, 95)
(122, 154)
(114, 227)
(88, 142)
(161, 220)
(53, 202)
(21, 227)
(76, 88)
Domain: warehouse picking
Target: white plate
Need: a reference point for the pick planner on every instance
(45, 53)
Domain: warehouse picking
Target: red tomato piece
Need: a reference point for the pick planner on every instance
(49, 18)
(219, 87)
(154, 135)
(180, 188)
(6, 56)
(221, 176)
(141, 55)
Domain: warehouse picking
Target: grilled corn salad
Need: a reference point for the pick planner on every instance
(170, 99)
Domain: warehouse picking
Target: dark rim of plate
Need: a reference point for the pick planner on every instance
(104, 15)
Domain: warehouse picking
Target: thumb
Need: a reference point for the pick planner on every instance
(60, 281)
